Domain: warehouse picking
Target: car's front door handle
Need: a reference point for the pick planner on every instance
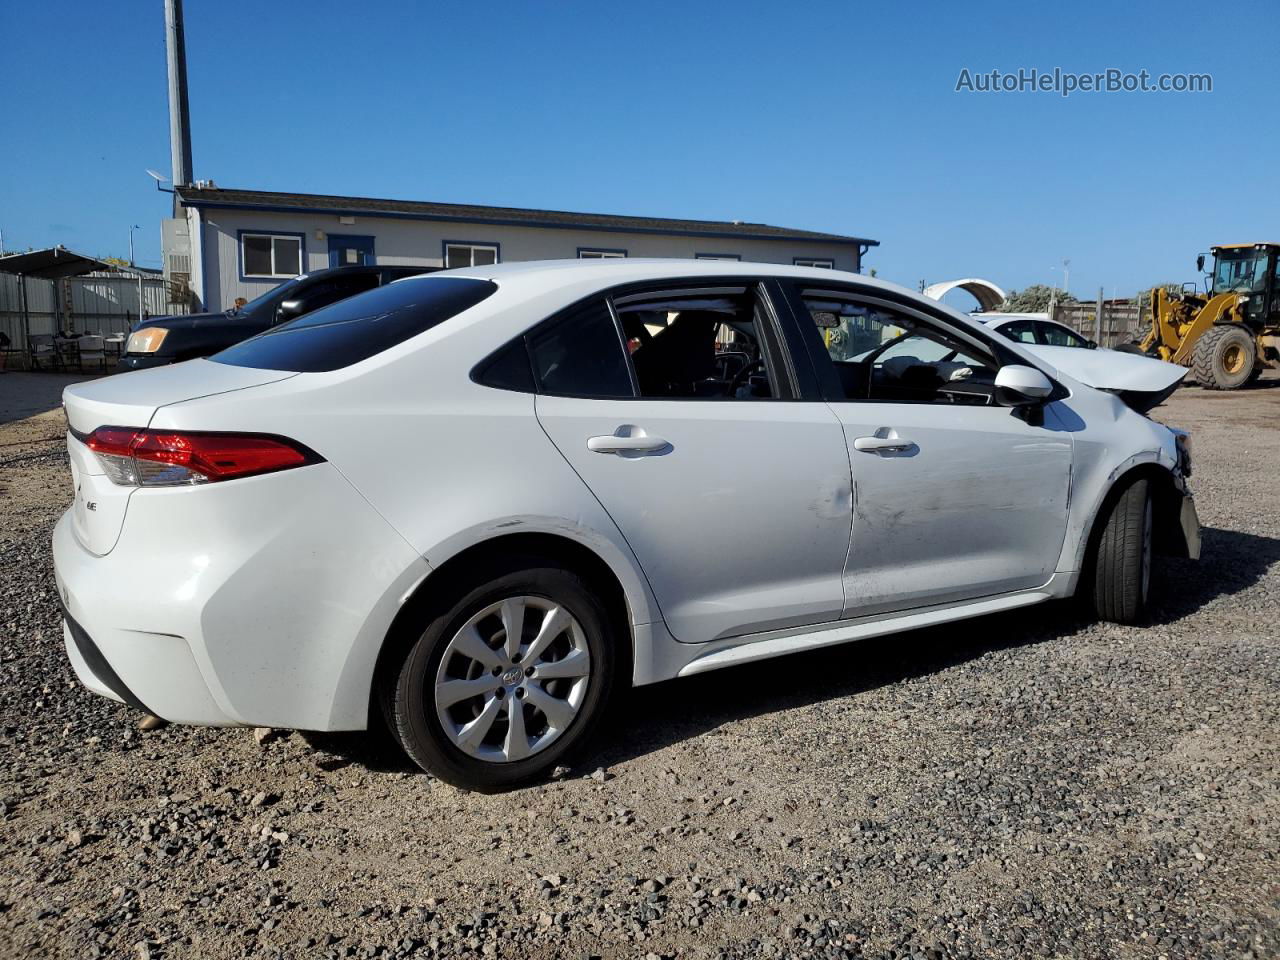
(612, 443)
(882, 444)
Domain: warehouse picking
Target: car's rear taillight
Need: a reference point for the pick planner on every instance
(163, 458)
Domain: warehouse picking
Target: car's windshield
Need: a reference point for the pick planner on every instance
(1242, 272)
(272, 294)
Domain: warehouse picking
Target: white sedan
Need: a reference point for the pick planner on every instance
(1140, 381)
(1035, 328)
(475, 504)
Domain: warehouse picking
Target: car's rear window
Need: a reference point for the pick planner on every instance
(355, 329)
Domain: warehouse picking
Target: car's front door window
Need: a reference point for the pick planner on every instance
(881, 353)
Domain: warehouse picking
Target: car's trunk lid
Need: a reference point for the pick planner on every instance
(131, 400)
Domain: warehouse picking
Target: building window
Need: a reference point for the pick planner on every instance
(274, 255)
(458, 254)
(825, 262)
(600, 253)
(717, 256)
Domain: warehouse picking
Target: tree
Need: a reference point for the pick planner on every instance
(1144, 295)
(115, 261)
(1034, 299)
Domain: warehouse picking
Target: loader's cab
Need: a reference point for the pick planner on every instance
(1251, 271)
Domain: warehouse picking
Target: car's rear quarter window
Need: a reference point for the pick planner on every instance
(360, 327)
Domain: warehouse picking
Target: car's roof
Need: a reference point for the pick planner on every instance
(546, 275)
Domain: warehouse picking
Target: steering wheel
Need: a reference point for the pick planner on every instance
(741, 376)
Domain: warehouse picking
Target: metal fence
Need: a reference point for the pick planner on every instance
(1121, 320)
(99, 303)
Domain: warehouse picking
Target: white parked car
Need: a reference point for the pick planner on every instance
(477, 503)
(1035, 329)
(1140, 381)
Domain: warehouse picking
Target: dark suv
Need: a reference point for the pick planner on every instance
(201, 334)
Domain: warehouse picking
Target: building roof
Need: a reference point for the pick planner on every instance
(52, 264)
(508, 216)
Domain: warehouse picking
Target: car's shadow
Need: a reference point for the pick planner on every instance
(649, 718)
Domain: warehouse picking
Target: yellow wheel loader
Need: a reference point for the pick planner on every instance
(1231, 332)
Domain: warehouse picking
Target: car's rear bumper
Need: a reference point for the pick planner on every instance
(261, 601)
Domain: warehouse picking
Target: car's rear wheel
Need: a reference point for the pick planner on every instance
(1122, 557)
(502, 686)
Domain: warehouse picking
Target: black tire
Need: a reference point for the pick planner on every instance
(1122, 557)
(1134, 347)
(409, 691)
(1224, 358)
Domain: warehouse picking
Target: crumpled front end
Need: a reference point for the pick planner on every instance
(1141, 383)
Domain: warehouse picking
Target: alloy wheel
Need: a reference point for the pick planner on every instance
(512, 679)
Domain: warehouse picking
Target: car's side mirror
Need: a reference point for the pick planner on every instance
(1200, 264)
(1091, 344)
(289, 309)
(1018, 385)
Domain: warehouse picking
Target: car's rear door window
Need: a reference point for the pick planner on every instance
(715, 343)
(579, 354)
(1056, 335)
(359, 327)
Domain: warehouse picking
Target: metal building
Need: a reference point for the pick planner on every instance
(240, 243)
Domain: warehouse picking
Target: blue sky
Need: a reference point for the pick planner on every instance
(840, 117)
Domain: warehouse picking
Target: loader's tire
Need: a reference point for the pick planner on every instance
(1122, 557)
(1134, 347)
(1224, 358)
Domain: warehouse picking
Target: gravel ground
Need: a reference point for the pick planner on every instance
(1024, 785)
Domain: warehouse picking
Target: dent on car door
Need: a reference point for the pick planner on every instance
(733, 494)
(955, 497)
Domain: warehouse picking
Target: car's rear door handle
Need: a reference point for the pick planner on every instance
(882, 444)
(628, 440)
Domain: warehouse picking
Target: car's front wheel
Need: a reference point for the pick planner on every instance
(500, 687)
(1122, 556)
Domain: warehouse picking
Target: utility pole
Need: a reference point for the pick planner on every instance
(179, 112)
(1097, 326)
(1066, 275)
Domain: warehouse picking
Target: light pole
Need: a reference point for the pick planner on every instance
(1066, 275)
(131, 229)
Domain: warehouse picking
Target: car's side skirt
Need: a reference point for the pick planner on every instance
(736, 650)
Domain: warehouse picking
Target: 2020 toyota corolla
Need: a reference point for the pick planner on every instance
(477, 503)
